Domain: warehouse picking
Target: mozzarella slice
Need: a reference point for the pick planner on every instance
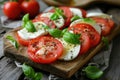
(59, 22)
(24, 34)
(70, 52)
(76, 11)
(95, 26)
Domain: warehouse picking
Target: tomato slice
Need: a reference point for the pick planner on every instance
(84, 39)
(106, 24)
(89, 30)
(46, 20)
(68, 15)
(85, 43)
(45, 49)
(22, 41)
(84, 13)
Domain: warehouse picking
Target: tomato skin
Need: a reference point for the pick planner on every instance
(31, 6)
(53, 52)
(84, 13)
(22, 41)
(106, 24)
(12, 10)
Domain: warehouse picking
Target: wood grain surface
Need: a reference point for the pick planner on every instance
(61, 68)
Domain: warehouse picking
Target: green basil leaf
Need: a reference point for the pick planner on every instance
(93, 72)
(106, 42)
(58, 12)
(38, 76)
(46, 27)
(30, 27)
(13, 41)
(55, 32)
(89, 20)
(75, 18)
(28, 71)
(54, 17)
(64, 31)
(25, 19)
(71, 38)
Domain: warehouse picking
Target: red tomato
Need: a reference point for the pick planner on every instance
(12, 10)
(46, 20)
(90, 31)
(106, 24)
(45, 49)
(83, 12)
(67, 13)
(84, 39)
(20, 1)
(22, 41)
(30, 6)
(85, 43)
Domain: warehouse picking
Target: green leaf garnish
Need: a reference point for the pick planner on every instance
(58, 12)
(71, 38)
(30, 27)
(38, 76)
(106, 42)
(89, 20)
(13, 41)
(93, 72)
(25, 19)
(64, 31)
(30, 73)
(55, 32)
(75, 18)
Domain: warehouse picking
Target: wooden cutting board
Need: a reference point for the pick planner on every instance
(61, 68)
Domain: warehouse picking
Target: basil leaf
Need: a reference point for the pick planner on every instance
(93, 72)
(13, 41)
(28, 71)
(64, 31)
(30, 27)
(25, 19)
(55, 32)
(71, 38)
(38, 76)
(46, 27)
(106, 42)
(58, 12)
(89, 20)
(75, 18)
(54, 17)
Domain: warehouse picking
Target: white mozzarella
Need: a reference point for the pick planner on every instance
(59, 22)
(95, 26)
(70, 52)
(76, 11)
(23, 33)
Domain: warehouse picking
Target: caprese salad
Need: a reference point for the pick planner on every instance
(62, 33)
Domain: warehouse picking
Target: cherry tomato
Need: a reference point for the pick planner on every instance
(91, 32)
(105, 23)
(46, 20)
(45, 49)
(22, 41)
(12, 10)
(30, 6)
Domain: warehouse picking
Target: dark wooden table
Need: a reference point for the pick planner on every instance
(9, 71)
